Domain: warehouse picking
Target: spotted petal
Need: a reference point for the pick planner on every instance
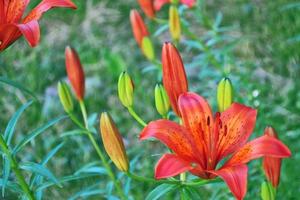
(238, 122)
(46, 5)
(172, 135)
(262, 146)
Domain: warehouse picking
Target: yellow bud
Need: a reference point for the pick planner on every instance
(65, 96)
(162, 101)
(125, 89)
(267, 191)
(174, 23)
(113, 142)
(224, 94)
(147, 48)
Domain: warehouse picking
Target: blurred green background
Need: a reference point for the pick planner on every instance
(255, 43)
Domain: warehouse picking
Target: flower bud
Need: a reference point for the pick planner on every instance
(162, 102)
(125, 89)
(139, 28)
(174, 23)
(174, 76)
(75, 72)
(174, 1)
(113, 142)
(267, 191)
(65, 96)
(147, 7)
(224, 94)
(271, 165)
(147, 48)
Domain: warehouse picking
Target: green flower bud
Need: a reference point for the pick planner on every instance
(65, 96)
(125, 89)
(175, 2)
(162, 101)
(174, 23)
(147, 48)
(267, 191)
(224, 94)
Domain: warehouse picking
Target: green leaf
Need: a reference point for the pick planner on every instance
(65, 179)
(89, 191)
(41, 170)
(18, 86)
(160, 190)
(91, 168)
(35, 133)
(6, 172)
(37, 178)
(9, 131)
(11, 186)
(74, 133)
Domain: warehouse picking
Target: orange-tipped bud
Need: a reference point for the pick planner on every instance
(147, 7)
(75, 72)
(113, 142)
(174, 23)
(174, 76)
(272, 165)
(139, 28)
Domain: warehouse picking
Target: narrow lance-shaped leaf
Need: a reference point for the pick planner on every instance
(35, 133)
(9, 131)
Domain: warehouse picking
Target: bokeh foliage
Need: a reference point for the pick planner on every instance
(255, 43)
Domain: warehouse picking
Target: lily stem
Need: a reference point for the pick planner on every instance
(98, 150)
(136, 116)
(15, 167)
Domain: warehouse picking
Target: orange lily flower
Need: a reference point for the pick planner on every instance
(148, 7)
(75, 72)
(272, 165)
(13, 25)
(159, 3)
(139, 28)
(203, 141)
(174, 76)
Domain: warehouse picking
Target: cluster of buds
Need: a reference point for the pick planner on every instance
(110, 134)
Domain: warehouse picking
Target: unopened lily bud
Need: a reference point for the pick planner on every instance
(138, 26)
(162, 101)
(113, 142)
(174, 23)
(148, 7)
(147, 48)
(65, 96)
(125, 89)
(271, 165)
(75, 72)
(267, 191)
(224, 94)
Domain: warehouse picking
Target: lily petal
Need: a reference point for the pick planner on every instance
(9, 33)
(45, 5)
(189, 3)
(235, 178)
(174, 76)
(31, 32)
(272, 166)
(238, 122)
(262, 146)
(15, 10)
(197, 118)
(172, 135)
(171, 165)
(159, 3)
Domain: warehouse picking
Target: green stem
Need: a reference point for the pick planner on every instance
(99, 152)
(136, 117)
(176, 182)
(15, 167)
